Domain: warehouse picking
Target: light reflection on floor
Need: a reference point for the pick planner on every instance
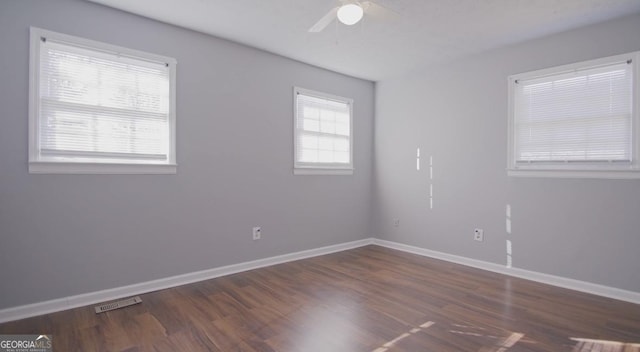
(389, 344)
(510, 339)
(587, 345)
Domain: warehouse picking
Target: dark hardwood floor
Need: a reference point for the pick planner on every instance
(367, 299)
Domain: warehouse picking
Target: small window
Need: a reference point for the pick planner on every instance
(578, 120)
(323, 133)
(98, 108)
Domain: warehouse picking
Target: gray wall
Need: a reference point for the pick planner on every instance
(63, 235)
(583, 229)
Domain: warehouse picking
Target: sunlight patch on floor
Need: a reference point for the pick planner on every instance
(510, 341)
(588, 345)
(387, 345)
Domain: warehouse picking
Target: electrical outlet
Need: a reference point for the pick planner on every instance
(257, 233)
(396, 222)
(478, 235)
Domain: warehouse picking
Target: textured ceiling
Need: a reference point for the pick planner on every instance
(384, 44)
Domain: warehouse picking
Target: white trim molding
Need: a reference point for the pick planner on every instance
(317, 167)
(43, 167)
(617, 157)
(558, 281)
(56, 305)
(73, 159)
(317, 171)
(601, 174)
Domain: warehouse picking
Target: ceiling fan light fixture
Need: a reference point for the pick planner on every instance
(350, 14)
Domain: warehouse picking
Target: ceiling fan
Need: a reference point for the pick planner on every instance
(348, 12)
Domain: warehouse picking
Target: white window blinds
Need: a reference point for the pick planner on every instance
(101, 106)
(584, 115)
(322, 130)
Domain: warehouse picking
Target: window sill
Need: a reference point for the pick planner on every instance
(600, 174)
(43, 167)
(320, 171)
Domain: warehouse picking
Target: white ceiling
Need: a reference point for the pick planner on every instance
(421, 32)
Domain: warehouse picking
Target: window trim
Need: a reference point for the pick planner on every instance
(39, 166)
(579, 169)
(319, 169)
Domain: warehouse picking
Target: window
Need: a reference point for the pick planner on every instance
(323, 133)
(578, 120)
(98, 108)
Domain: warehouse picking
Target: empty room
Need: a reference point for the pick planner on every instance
(320, 175)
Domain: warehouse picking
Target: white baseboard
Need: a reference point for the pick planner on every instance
(577, 285)
(56, 305)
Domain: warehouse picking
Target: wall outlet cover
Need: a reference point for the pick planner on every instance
(478, 235)
(257, 233)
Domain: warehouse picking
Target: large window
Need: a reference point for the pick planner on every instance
(98, 108)
(578, 120)
(323, 133)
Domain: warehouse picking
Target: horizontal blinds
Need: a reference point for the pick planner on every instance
(583, 115)
(323, 129)
(102, 106)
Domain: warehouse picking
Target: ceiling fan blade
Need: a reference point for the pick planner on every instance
(380, 11)
(324, 21)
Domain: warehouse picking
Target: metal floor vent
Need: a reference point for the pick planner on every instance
(119, 304)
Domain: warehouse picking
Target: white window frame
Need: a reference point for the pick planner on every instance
(300, 168)
(616, 170)
(36, 162)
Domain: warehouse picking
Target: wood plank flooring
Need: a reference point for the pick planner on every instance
(370, 299)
